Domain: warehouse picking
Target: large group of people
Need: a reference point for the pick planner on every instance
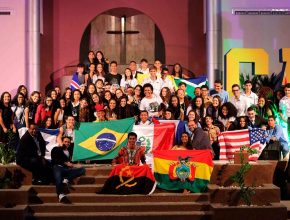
(101, 93)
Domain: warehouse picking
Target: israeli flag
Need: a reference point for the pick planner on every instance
(49, 135)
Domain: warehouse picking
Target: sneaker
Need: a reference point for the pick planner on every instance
(67, 185)
(62, 198)
(65, 181)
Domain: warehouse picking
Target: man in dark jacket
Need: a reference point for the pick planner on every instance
(64, 171)
(30, 155)
(255, 121)
(199, 139)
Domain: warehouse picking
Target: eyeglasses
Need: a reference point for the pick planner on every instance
(235, 90)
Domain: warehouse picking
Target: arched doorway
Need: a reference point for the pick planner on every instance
(123, 34)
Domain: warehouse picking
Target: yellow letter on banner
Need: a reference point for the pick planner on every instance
(235, 56)
(285, 58)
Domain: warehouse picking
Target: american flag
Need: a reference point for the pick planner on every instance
(232, 141)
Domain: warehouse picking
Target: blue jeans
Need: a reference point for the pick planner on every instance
(69, 173)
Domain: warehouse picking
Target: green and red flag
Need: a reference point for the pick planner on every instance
(183, 169)
(101, 140)
(126, 180)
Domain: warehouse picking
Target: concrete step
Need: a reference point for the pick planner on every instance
(120, 207)
(81, 188)
(287, 204)
(95, 198)
(176, 215)
(16, 212)
(99, 169)
(99, 179)
(86, 188)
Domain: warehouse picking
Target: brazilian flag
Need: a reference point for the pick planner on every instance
(101, 140)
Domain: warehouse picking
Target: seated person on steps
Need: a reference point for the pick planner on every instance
(30, 155)
(64, 171)
(274, 132)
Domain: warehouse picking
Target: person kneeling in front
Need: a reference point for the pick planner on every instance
(63, 169)
(130, 154)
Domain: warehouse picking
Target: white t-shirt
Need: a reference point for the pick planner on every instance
(252, 99)
(284, 104)
(157, 84)
(129, 82)
(151, 105)
(143, 71)
(168, 83)
(241, 104)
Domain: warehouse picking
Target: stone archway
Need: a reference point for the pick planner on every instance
(141, 38)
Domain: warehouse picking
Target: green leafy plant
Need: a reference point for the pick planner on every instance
(246, 192)
(262, 84)
(7, 154)
(7, 150)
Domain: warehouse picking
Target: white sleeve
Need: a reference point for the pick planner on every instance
(134, 82)
(142, 105)
(122, 83)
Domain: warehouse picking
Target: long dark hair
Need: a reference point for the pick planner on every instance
(175, 109)
(2, 98)
(179, 73)
(188, 144)
(16, 99)
(232, 110)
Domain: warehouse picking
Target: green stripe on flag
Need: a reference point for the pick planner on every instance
(101, 140)
(164, 182)
(190, 85)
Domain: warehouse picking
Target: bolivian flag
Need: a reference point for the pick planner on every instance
(101, 140)
(183, 169)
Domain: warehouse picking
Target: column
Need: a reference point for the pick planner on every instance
(33, 45)
(213, 41)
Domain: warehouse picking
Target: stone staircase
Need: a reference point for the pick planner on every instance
(220, 202)
(87, 204)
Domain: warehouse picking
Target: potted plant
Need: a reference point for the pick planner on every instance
(242, 198)
(246, 192)
(7, 150)
(7, 154)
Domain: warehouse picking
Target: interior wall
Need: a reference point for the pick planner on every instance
(270, 32)
(70, 21)
(196, 37)
(46, 48)
(12, 45)
(64, 23)
(138, 46)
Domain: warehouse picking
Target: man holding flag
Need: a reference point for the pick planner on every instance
(131, 154)
(78, 77)
(128, 177)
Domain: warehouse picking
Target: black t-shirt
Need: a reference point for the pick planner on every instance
(113, 79)
(6, 115)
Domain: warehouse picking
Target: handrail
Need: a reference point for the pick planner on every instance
(70, 69)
